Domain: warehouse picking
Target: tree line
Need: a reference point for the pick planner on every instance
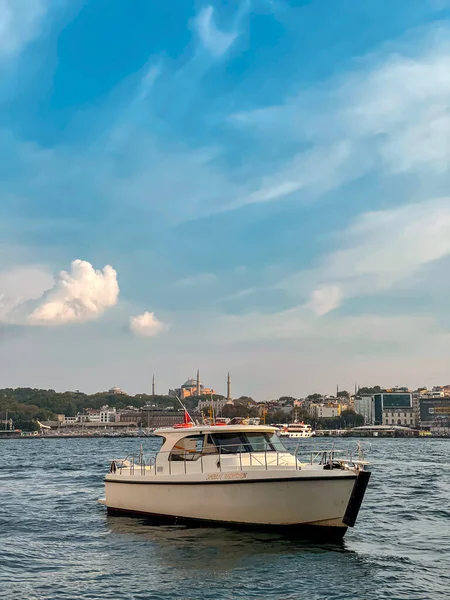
(27, 405)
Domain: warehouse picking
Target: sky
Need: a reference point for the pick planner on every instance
(253, 186)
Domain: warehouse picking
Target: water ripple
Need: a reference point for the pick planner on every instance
(57, 543)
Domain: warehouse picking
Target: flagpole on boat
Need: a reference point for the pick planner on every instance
(186, 412)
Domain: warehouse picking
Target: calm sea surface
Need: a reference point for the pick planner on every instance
(57, 542)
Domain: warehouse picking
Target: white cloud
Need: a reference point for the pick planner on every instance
(20, 285)
(320, 169)
(148, 79)
(312, 332)
(146, 325)
(19, 24)
(325, 299)
(392, 116)
(214, 40)
(79, 295)
(391, 245)
(378, 250)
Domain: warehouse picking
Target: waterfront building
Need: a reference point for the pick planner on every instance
(160, 418)
(129, 415)
(325, 410)
(434, 412)
(392, 400)
(391, 407)
(399, 416)
(103, 415)
(151, 416)
(217, 405)
(364, 405)
(92, 415)
(107, 414)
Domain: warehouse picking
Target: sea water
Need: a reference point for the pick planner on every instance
(57, 542)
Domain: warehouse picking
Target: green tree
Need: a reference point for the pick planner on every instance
(287, 400)
(367, 391)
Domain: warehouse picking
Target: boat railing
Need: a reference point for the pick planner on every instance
(265, 458)
(339, 456)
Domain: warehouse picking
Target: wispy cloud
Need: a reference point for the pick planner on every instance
(201, 279)
(19, 24)
(215, 41)
(392, 115)
(317, 171)
(312, 332)
(377, 251)
(18, 286)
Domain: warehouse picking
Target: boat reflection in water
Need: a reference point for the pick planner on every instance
(239, 475)
(212, 549)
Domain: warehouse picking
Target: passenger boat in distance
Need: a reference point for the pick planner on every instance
(240, 475)
(296, 430)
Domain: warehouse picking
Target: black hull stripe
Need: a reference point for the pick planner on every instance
(235, 481)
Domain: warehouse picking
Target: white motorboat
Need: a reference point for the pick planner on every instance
(296, 430)
(238, 475)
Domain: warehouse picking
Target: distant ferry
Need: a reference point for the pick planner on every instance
(296, 430)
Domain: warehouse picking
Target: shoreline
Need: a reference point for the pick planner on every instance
(144, 436)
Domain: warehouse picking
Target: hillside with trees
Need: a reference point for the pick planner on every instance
(26, 405)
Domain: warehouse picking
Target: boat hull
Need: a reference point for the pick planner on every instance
(326, 533)
(314, 504)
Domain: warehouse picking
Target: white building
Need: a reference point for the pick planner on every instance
(364, 405)
(399, 416)
(107, 414)
(93, 416)
(103, 415)
(215, 404)
(325, 411)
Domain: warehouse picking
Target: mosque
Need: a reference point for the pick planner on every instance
(193, 387)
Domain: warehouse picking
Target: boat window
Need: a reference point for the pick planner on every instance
(251, 441)
(276, 443)
(227, 443)
(257, 442)
(188, 448)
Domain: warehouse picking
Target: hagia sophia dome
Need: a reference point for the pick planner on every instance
(190, 383)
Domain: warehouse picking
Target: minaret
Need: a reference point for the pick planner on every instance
(198, 383)
(153, 386)
(228, 386)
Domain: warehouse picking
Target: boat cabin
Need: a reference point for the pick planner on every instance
(214, 448)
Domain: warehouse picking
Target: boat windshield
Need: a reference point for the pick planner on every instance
(248, 441)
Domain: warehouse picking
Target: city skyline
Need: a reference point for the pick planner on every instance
(154, 391)
(243, 184)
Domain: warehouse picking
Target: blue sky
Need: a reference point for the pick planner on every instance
(260, 186)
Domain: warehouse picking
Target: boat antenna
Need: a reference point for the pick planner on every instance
(213, 412)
